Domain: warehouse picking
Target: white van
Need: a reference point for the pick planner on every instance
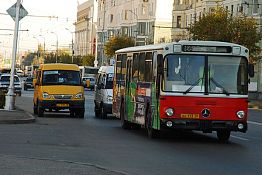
(104, 91)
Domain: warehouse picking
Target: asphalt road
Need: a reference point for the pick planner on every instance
(58, 144)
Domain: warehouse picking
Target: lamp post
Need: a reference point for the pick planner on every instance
(56, 46)
(37, 54)
(136, 24)
(44, 45)
(72, 43)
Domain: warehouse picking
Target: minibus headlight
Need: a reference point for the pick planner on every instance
(241, 114)
(46, 95)
(79, 95)
(109, 98)
(169, 112)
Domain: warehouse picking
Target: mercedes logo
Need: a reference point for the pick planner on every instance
(205, 113)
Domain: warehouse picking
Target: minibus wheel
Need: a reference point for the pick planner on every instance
(35, 109)
(223, 136)
(40, 111)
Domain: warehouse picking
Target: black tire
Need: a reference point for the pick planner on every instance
(124, 124)
(103, 112)
(35, 109)
(151, 132)
(223, 136)
(40, 111)
(72, 113)
(80, 113)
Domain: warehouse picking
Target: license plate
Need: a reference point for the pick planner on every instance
(190, 116)
(62, 105)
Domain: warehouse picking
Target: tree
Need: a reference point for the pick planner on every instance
(117, 42)
(219, 25)
(88, 60)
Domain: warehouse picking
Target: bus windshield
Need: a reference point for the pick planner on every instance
(61, 77)
(189, 73)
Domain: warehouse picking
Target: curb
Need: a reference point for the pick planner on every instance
(29, 119)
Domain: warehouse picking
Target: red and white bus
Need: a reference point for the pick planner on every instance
(185, 85)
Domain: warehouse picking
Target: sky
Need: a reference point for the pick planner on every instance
(40, 29)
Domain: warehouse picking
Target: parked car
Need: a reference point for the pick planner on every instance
(104, 91)
(28, 83)
(5, 82)
(89, 82)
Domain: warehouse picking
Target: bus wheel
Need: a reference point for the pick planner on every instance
(151, 132)
(40, 111)
(35, 109)
(223, 136)
(72, 113)
(124, 124)
(103, 112)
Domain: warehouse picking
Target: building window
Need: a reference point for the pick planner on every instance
(178, 22)
(255, 7)
(111, 18)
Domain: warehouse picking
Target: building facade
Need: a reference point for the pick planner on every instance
(147, 21)
(85, 28)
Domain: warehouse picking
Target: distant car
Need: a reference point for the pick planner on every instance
(28, 83)
(5, 82)
(91, 80)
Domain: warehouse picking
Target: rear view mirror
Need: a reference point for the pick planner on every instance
(251, 71)
(160, 64)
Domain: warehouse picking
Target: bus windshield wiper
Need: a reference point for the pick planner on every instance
(193, 85)
(220, 86)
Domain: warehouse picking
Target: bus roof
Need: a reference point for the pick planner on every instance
(162, 46)
(59, 66)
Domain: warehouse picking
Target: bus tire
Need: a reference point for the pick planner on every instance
(35, 109)
(40, 111)
(151, 132)
(223, 136)
(103, 112)
(72, 113)
(124, 124)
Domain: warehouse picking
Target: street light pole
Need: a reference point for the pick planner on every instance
(136, 24)
(56, 46)
(72, 43)
(44, 44)
(37, 54)
(10, 99)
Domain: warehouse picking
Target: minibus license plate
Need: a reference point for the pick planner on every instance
(190, 116)
(62, 105)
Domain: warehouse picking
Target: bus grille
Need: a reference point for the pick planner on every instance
(64, 97)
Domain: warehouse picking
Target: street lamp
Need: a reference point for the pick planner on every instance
(44, 44)
(136, 24)
(37, 46)
(72, 43)
(56, 46)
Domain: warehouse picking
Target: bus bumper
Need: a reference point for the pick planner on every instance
(204, 125)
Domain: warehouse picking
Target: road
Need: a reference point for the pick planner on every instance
(58, 144)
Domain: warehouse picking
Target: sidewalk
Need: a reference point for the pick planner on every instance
(16, 116)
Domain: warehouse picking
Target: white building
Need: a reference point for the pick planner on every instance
(147, 21)
(85, 28)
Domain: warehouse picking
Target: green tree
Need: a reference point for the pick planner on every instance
(88, 60)
(219, 25)
(117, 42)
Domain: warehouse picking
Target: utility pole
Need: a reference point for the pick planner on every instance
(10, 96)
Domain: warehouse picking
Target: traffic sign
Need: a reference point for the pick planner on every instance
(12, 12)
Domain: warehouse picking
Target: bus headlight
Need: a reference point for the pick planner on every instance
(169, 112)
(109, 98)
(46, 95)
(241, 114)
(79, 95)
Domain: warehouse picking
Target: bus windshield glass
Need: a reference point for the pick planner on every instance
(189, 73)
(61, 77)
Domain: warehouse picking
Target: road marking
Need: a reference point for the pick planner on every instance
(240, 138)
(255, 123)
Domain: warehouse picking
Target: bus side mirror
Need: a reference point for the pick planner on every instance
(160, 64)
(251, 71)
